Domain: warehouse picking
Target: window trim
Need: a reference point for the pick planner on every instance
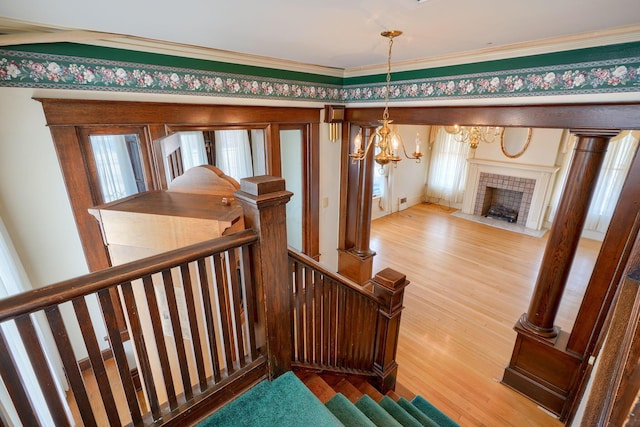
(67, 117)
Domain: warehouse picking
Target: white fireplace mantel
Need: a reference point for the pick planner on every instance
(543, 175)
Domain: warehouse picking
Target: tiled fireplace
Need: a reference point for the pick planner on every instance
(524, 189)
(512, 193)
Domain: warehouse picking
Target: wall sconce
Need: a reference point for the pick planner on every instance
(334, 115)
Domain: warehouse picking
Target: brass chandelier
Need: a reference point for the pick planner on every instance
(384, 141)
(474, 135)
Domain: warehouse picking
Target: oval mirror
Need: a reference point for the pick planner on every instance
(514, 141)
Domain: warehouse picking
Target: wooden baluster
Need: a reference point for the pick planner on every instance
(264, 199)
(176, 327)
(236, 305)
(158, 333)
(41, 369)
(343, 325)
(299, 293)
(359, 338)
(193, 324)
(308, 314)
(205, 288)
(249, 301)
(334, 315)
(71, 368)
(389, 285)
(326, 318)
(223, 300)
(317, 310)
(14, 385)
(115, 340)
(39, 364)
(141, 349)
(95, 357)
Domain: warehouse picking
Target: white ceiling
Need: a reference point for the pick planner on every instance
(343, 34)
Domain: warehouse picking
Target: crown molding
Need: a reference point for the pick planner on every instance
(558, 44)
(21, 32)
(209, 54)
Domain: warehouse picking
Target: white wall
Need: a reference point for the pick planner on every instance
(408, 177)
(330, 169)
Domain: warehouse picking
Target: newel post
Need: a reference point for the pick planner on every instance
(389, 285)
(264, 200)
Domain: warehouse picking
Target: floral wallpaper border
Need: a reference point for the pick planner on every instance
(28, 69)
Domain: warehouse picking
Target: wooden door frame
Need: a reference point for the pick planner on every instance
(67, 117)
(576, 117)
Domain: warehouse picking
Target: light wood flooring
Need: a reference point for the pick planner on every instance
(469, 284)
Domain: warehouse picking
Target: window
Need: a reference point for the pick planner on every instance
(614, 171)
(118, 164)
(448, 168)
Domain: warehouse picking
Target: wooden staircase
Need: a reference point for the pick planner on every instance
(401, 408)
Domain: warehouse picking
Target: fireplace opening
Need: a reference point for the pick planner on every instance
(501, 212)
(509, 196)
(502, 204)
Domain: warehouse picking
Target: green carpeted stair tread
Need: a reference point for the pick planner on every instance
(347, 412)
(376, 413)
(284, 402)
(416, 413)
(398, 412)
(439, 417)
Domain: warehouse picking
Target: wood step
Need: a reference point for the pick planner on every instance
(366, 388)
(319, 387)
(350, 391)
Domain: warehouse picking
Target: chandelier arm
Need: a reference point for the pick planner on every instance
(363, 154)
(412, 156)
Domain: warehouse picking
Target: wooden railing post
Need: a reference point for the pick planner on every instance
(389, 285)
(264, 200)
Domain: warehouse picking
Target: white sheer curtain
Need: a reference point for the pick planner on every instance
(13, 280)
(447, 168)
(193, 151)
(115, 171)
(233, 153)
(614, 171)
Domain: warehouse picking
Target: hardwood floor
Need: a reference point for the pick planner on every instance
(469, 284)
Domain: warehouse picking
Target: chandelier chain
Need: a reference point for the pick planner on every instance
(385, 114)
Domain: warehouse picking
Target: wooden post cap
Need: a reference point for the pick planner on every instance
(264, 184)
(390, 279)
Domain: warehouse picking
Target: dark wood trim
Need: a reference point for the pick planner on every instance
(72, 112)
(76, 177)
(71, 120)
(562, 116)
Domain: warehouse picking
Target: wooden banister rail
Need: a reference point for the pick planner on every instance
(195, 336)
(340, 326)
(41, 298)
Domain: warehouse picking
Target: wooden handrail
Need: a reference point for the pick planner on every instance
(40, 298)
(192, 322)
(307, 260)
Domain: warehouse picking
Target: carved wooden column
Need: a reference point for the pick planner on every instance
(541, 367)
(355, 258)
(264, 200)
(389, 285)
(564, 235)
